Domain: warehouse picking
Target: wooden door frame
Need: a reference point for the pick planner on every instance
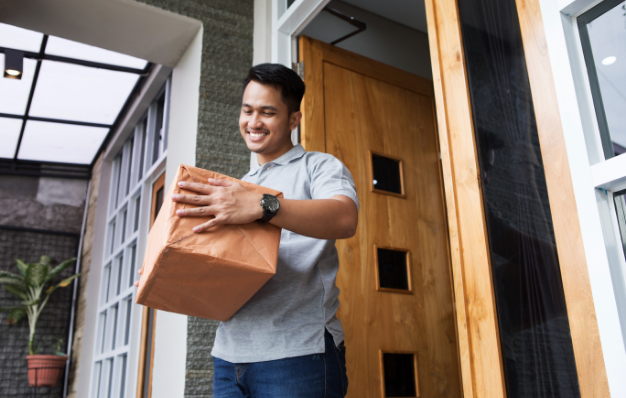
(481, 364)
(476, 319)
(159, 183)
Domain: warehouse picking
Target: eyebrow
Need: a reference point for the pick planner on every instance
(270, 107)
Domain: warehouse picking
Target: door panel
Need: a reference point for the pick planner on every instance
(367, 106)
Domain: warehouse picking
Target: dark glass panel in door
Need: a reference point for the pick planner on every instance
(536, 345)
(399, 374)
(392, 269)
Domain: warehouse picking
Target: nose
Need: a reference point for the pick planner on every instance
(255, 121)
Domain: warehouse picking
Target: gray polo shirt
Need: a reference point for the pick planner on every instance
(288, 315)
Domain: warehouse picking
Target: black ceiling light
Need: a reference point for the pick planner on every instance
(13, 64)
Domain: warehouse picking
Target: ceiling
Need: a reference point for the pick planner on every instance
(124, 26)
(61, 112)
(411, 13)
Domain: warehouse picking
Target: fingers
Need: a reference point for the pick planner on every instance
(192, 199)
(202, 211)
(136, 283)
(220, 183)
(208, 225)
(196, 187)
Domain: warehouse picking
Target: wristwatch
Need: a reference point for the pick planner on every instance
(270, 205)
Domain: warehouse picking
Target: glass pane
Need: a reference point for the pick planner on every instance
(142, 128)
(109, 282)
(399, 373)
(607, 35)
(118, 178)
(159, 130)
(129, 306)
(106, 274)
(392, 269)
(9, 135)
(130, 165)
(386, 172)
(74, 92)
(620, 208)
(97, 369)
(123, 226)
(72, 49)
(122, 377)
(58, 142)
(102, 331)
(536, 345)
(112, 237)
(108, 380)
(15, 92)
(132, 275)
(120, 273)
(159, 202)
(137, 212)
(113, 330)
(20, 39)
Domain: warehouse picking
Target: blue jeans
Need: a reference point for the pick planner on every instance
(309, 376)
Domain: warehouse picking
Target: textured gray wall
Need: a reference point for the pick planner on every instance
(41, 203)
(226, 58)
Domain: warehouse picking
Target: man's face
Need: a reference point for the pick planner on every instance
(265, 123)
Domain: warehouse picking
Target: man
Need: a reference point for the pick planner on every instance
(286, 341)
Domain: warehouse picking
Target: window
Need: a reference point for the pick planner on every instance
(602, 35)
(134, 171)
(602, 32)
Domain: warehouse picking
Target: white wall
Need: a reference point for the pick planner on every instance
(170, 350)
(262, 35)
(570, 88)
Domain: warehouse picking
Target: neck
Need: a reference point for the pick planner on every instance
(263, 158)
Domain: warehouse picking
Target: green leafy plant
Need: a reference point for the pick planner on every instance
(30, 287)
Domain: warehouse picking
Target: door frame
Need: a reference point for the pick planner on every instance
(480, 358)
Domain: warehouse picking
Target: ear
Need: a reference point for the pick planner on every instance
(294, 120)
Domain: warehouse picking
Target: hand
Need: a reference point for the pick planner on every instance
(227, 201)
(140, 272)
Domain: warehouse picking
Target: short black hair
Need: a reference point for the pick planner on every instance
(290, 84)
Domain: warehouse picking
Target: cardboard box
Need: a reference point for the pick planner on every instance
(211, 274)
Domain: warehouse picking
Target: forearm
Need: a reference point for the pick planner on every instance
(334, 218)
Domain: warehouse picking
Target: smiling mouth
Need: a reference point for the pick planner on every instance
(257, 135)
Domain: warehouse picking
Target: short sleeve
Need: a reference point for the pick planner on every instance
(329, 177)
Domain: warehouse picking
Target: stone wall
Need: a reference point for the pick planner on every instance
(42, 204)
(226, 58)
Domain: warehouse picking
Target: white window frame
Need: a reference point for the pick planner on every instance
(592, 177)
(608, 175)
(121, 204)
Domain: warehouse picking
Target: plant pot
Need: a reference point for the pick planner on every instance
(45, 370)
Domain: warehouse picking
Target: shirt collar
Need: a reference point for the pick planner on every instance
(294, 153)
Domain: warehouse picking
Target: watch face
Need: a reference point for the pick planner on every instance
(271, 203)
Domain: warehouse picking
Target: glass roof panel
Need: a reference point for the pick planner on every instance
(58, 142)
(72, 49)
(14, 93)
(20, 39)
(74, 92)
(9, 134)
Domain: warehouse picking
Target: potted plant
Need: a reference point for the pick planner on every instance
(33, 287)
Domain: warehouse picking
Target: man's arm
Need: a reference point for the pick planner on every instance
(230, 203)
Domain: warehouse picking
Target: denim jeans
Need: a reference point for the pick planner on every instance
(308, 376)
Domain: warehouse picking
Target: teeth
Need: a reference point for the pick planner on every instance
(257, 135)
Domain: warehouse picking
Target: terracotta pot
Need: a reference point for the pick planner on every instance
(45, 370)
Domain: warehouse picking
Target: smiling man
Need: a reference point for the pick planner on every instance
(286, 340)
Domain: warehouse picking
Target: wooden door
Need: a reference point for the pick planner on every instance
(369, 114)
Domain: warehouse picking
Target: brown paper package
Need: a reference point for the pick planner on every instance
(210, 274)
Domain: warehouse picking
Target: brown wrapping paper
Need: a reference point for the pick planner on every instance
(211, 274)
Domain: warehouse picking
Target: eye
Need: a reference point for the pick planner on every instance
(268, 113)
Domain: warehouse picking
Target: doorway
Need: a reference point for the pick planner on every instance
(378, 117)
